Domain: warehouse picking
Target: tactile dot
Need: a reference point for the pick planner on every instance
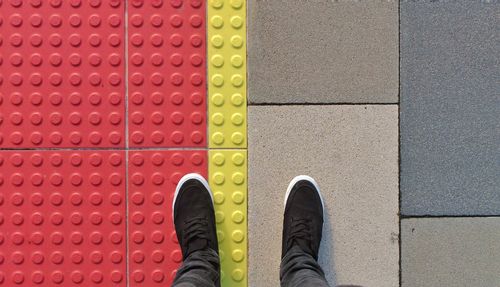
(236, 41)
(237, 275)
(218, 178)
(236, 22)
(217, 80)
(217, 41)
(237, 99)
(217, 61)
(237, 138)
(237, 255)
(218, 119)
(238, 197)
(237, 236)
(238, 159)
(238, 178)
(219, 197)
(237, 80)
(219, 217)
(216, 3)
(217, 21)
(218, 138)
(237, 217)
(218, 159)
(218, 99)
(236, 3)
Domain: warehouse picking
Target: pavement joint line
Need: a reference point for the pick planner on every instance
(122, 149)
(400, 264)
(106, 149)
(127, 259)
(63, 149)
(127, 247)
(449, 216)
(322, 104)
(206, 82)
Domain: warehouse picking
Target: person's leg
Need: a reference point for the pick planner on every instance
(302, 231)
(194, 220)
(200, 269)
(301, 269)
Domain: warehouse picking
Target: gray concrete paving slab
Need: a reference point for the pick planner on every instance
(450, 107)
(352, 151)
(458, 252)
(323, 51)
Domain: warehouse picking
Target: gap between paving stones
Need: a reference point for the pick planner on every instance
(449, 216)
(321, 104)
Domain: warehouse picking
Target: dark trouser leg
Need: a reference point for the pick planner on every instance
(299, 269)
(200, 269)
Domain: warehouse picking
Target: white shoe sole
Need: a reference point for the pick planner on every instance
(306, 178)
(186, 178)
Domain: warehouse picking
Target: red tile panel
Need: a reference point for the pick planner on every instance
(62, 218)
(154, 254)
(167, 89)
(61, 73)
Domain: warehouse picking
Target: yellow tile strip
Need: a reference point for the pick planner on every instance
(228, 180)
(227, 73)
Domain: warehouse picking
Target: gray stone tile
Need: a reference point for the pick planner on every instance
(458, 252)
(352, 151)
(323, 51)
(450, 107)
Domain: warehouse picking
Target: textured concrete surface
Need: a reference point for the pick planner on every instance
(352, 151)
(450, 107)
(323, 51)
(458, 252)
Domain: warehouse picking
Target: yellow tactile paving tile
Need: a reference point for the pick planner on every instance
(228, 180)
(227, 73)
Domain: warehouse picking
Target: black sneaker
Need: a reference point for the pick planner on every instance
(303, 220)
(193, 215)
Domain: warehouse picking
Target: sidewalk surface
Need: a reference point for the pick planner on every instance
(392, 106)
(433, 61)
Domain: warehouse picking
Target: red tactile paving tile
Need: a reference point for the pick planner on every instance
(62, 218)
(62, 73)
(154, 254)
(167, 72)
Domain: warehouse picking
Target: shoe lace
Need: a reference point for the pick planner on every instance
(196, 228)
(300, 231)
